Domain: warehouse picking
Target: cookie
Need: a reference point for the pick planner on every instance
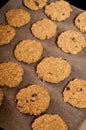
(71, 41)
(17, 17)
(28, 51)
(44, 29)
(80, 22)
(7, 33)
(1, 96)
(75, 93)
(59, 10)
(49, 122)
(33, 100)
(10, 74)
(34, 4)
(53, 69)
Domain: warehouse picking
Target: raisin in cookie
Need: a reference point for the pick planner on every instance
(7, 33)
(71, 41)
(17, 17)
(28, 51)
(53, 69)
(49, 122)
(80, 22)
(10, 74)
(44, 29)
(33, 100)
(34, 4)
(75, 93)
(59, 10)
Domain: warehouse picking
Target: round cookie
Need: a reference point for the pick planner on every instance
(28, 51)
(34, 4)
(44, 29)
(1, 96)
(59, 10)
(49, 122)
(33, 100)
(17, 17)
(75, 93)
(10, 74)
(52, 69)
(7, 33)
(80, 22)
(71, 42)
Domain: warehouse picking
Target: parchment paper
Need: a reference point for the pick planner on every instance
(10, 117)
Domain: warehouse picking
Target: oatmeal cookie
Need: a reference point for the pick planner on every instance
(53, 69)
(33, 100)
(17, 17)
(10, 74)
(75, 93)
(28, 51)
(44, 29)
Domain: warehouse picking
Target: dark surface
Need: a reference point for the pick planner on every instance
(10, 117)
(2, 2)
(78, 3)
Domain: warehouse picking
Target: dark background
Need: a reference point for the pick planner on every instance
(78, 3)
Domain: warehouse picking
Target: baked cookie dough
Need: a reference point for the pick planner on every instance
(49, 122)
(17, 17)
(28, 51)
(53, 69)
(80, 22)
(33, 100)
(44, 29)
(34, 4)
(75, 93)
(10, 74)
(71, 41)
(59, 10)
(7, 33)
(1, 96)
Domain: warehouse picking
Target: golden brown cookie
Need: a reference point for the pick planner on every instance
(49, 122)
(80, 21)
(1, 96)
(17, 17)
(71, 41)
(10, 74)
(34, 4)
(53, 69)
(75, 93)
(59, 10)
(28, 51)
(33, 100)
(7, 33)
(44, 29)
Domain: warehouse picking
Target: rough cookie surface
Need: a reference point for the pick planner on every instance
(10, 74)
(59, 10)
(34, 4)
(1, 96)
(7, 33)
(75, 93)
(44, 29)
(17, 17)
(49, 122)
(28, 51)
(52, 69)
(33, 100)
(71, 42)
(80, 21)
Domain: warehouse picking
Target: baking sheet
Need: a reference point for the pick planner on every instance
(10, 117)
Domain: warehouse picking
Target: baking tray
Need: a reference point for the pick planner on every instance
(10, 117)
